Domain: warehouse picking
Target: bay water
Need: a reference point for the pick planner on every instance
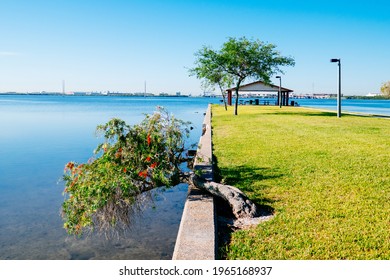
(362, 106)
(38, 136)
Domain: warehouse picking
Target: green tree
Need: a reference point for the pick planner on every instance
(385, 89)
(238, 60)
(211, 72)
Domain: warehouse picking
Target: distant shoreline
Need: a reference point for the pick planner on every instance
(150, 95)
(91, 94)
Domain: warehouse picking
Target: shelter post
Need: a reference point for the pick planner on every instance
(229, 97)
(287, 98)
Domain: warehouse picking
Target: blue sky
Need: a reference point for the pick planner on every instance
(118, 45)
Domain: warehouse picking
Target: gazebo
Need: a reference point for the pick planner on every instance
(261, 87)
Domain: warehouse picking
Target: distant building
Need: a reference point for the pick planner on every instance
(314, 95)
(373, 94)
(208, 94)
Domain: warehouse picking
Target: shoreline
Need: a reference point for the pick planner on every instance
(140, 94)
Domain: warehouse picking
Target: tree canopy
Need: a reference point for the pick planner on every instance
(385, 89)
(210, 71)
(238, 60)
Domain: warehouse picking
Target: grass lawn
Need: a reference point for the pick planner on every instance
(327, 180)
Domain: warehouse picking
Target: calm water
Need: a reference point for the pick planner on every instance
(376, 107)
(38, 135)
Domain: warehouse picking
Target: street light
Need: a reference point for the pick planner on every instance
(280, 90)
(339, 92)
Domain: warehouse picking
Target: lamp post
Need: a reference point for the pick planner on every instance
(338, 60)
(280, 90)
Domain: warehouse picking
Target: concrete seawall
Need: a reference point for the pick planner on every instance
(196, 239)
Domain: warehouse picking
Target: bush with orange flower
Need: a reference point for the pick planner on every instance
(132, 160)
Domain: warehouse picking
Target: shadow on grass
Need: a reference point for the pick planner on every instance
(326, 114)
(244, 178)
(305, 114)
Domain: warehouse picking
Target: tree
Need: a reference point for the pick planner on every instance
(238, 60)
(385, 89)
(210, 72)
(131, 161)
(106, 192)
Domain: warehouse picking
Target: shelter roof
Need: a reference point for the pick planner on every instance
(260, 86)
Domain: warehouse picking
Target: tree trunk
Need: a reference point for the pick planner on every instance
(236, 103)
(242, 207)
(223, 96)
(224, 101)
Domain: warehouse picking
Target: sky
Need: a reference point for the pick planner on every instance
(116, 45)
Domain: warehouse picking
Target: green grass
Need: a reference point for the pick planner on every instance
(327, 180)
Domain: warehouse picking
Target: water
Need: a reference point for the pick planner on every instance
(38, 136)
(374, 107)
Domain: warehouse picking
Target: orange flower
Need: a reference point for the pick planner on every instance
(70, 165)
(149, 140)
(154, 164)
(143, 174)
(148, 159)
(124, 170)
(118, 153)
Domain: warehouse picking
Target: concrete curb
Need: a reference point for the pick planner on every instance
(196, 239)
